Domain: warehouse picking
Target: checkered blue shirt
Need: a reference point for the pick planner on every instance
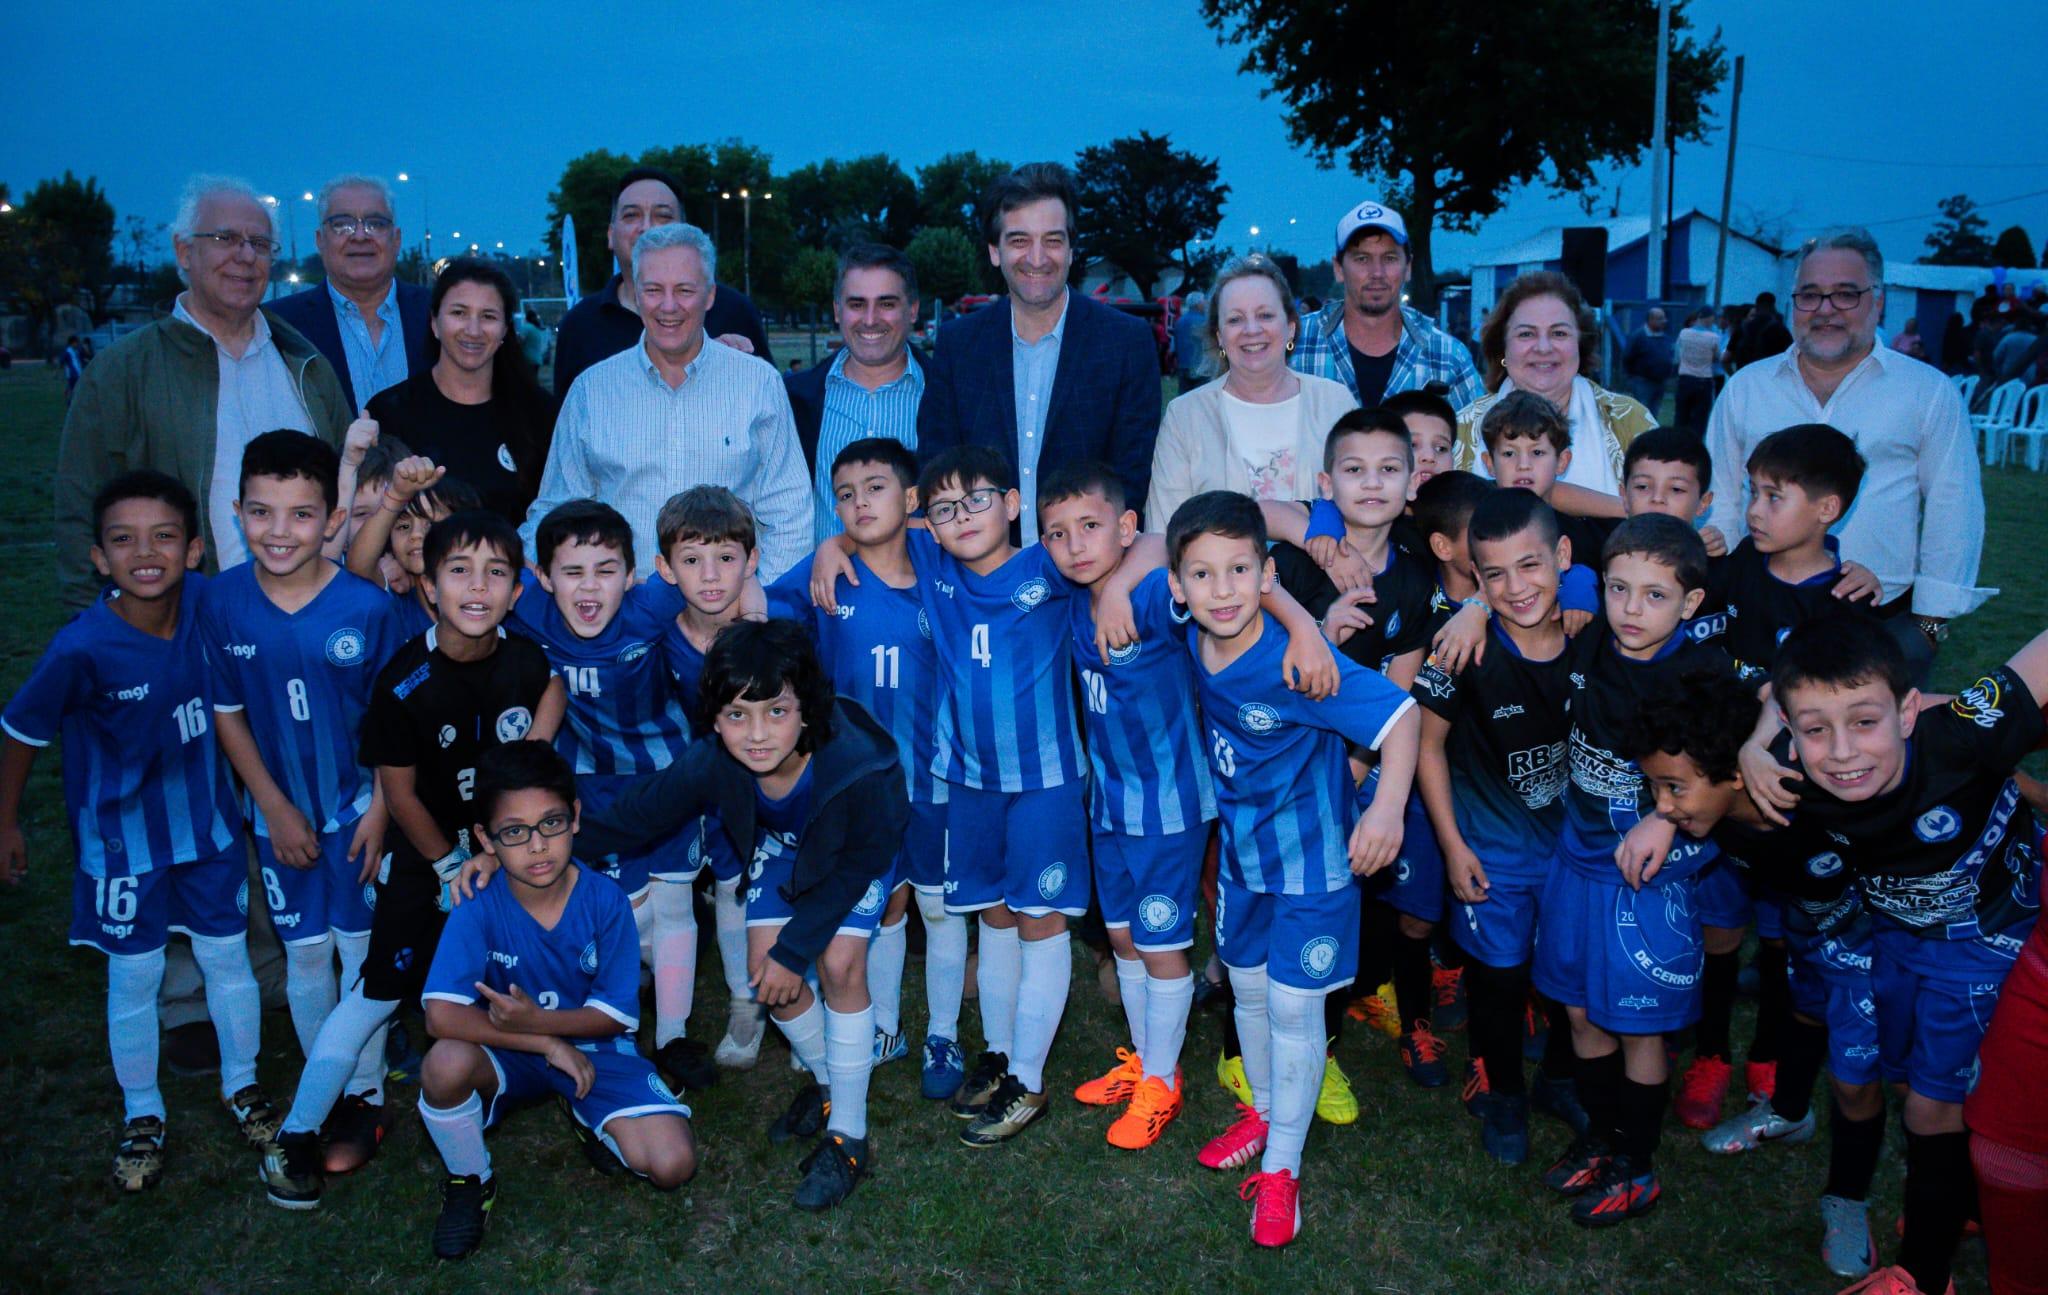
(1426, 354)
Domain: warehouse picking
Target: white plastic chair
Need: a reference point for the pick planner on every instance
(1997, 419)
(1966, 386)
(2029, 428)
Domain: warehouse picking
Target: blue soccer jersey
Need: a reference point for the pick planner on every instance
(303, 679)
(878, 649)
(1006, 693)
(145, 785)
(591, 957)
(1144, 742)
(624, 718)
(1283, 784)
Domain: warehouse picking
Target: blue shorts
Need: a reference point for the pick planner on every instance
(1148, 885)
(1831, 983)
(1306, 942)
(1502, 931)
(1026, 849)
(1934, 1002)
(700, 845)
(768, 882)
(922, 860)
(1631, 958)
(1415, 884)
(626, 1085)
(308, 903)
(126, 916)
(1731, 898)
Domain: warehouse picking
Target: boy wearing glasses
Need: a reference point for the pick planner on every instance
(442, 701)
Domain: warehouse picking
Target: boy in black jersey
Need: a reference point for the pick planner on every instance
(1492, 769)
(1943, 848)
(1619, 947)
(1802, 481)
(443, 699)
(1686, 740)
(1669, 471)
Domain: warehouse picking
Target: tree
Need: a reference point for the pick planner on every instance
(1958, 237)
(1143, 201)
(947, 261)
(949, 191)
(2013, 247)
(58, 245)
(585, 192)
(811, 276)
(1467, 100)
(837, 204)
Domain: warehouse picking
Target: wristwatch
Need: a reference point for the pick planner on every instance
(1934, 627)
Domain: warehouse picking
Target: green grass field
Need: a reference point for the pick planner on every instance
(1400, 1201)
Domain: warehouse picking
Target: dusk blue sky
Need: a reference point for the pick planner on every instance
(485, 102)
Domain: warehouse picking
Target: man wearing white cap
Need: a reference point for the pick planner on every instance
(1369, 341)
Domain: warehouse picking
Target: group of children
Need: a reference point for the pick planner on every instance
(1583, 749)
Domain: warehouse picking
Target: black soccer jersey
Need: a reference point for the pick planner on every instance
(1750, 611)
(1510, 717)
(1606, 796)
(437, 716)
(1588, 536)
(1799, 864)
(1950, 853)
(1400, 609)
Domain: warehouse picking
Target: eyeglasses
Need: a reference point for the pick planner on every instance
(515, 834)
(975, 501)
(230, 241)
(1808, 300)
(346, 226)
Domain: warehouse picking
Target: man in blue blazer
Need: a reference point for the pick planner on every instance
(370, 327)
(1047, 375)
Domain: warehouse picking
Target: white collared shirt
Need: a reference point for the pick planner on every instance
(628, 438)
(1918, 520)
(256, 395)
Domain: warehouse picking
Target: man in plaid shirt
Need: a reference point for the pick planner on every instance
(1369, 341)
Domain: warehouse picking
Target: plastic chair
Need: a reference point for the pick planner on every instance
(1997, 419)
(2029, 428)
(1966, 387)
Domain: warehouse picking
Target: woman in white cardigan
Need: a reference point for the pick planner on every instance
(1259, 428)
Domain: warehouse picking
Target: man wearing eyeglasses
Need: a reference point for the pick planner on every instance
(372, 328)
(1918, 521)
(187, 393)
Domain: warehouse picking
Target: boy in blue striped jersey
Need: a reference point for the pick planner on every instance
(294, 644)
(877, 645)
(1287, 897)
(158, 835)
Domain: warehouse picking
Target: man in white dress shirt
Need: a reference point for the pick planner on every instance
(672, 413)
(1918, 522)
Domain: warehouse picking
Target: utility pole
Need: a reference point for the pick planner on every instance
(1654, 266)
(1727, 186)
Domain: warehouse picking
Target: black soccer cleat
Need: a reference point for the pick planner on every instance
(805, 1117)
(290, 1171)
(465, 1213)
(686, 1064)
(980, 1085)
(831, 1172)
(594, 1150)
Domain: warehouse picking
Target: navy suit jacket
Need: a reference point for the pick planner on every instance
(312, 313)
(806, 389)
(1105, 392)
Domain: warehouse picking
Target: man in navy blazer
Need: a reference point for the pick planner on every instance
(1047, 375)
(370, 327)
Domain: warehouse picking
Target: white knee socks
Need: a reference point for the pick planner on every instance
(132, 982)
(885, 975)
(806, 1035)
(849, 1059)
(1130, 986)
(309, 987)
(234, 1003)
(1167, 1003)
(368, 1078)
(337, 1050)
(1298, 1050)
(1002, 964)
(729, 910)
(1254, 1033)
(458, 1133)
(1048, 970)
(674, 959)
(945, 964)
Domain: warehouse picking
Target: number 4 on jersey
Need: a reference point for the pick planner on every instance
(978, 646)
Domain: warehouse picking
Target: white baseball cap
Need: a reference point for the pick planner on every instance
(1371, 214)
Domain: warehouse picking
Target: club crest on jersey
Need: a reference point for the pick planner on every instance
(1981, 703)
(870, 899)
(587, 960)
(1257, 717)
(1319, 957)
(370, 897)
(242, 899)
(1031, 593)
(1937, 825)
(1126, 655)
(513, 724)
(345, 647)
(1824, 865)
(447, 736)
(634, 652)
(1393, 625)
(924, 626)
(1052, 881)
(1158, 913)
(505, 458)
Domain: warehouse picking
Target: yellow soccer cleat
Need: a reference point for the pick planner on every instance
(1230, 1074)
(1378, 1012)
(1116, 1087)
(1336, 1104)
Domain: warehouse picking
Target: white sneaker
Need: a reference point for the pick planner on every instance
(741, 1046)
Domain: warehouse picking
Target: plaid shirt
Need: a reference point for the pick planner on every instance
(1426, 354)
